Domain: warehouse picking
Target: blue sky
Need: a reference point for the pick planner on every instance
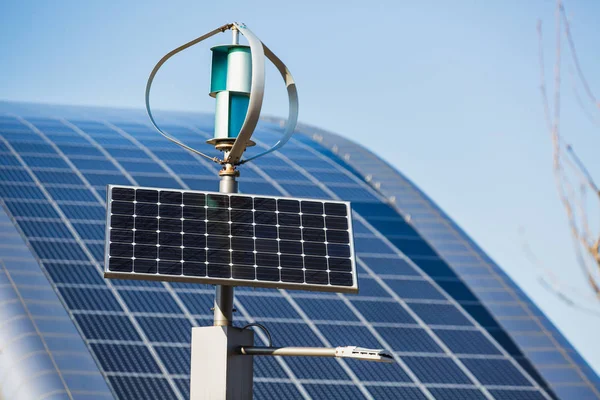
(448, 92)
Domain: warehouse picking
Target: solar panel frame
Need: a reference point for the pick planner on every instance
(287, 201)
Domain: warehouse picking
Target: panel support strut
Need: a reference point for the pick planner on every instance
(223, 315)
(218, 371)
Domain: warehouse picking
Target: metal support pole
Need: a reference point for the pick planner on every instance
(223, 306)
(218, 371)
(228, 184)
(224, 294)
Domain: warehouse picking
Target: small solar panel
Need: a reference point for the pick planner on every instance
(229, 239)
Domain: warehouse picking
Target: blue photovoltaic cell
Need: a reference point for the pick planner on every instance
(167, 330)
(45, 229)
(94, 164)
(482, 315)
(293, 334)
(466, 342)
(74, 273)
(372, 288)
(318, 309)
(393, 393)
(457, 394)
(316, 368)
(270, 307)
(275, 391)
(184, 387)
(90, 299)
(329, 391)
(193, 170)
(353, 193)
(439, 314)
(32, 147)
(16, 191)
(436, 370)
(373, 246)
(561, 374)
(496, 372)
(308, 190)
(45, 162)
(127, 387)
(547, 357)
(103, 179)
(142, 301)
(8, 160)
(258, 187)
(526, 395)
(125, 358)
(378, 372)
(69, 251)
(89, 231)
(200, 183)
(79, 151)
(126, 153)
(72, 194)
(457, 290)
(133, 284)
(175, 359)
(96, 250)
(414, 289)
(34, 210)
(15, 175)
(389, 265)
(68, 139)
(379, 311)
(286, 174)
(409, 340)
(107, 327)
(58, 177)
(162, 181)
(81, 212)
(342, 335)
(268, 367)
(197, 303)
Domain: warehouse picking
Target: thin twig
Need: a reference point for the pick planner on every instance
(589, 180)
(545, 101)
(584, 82)
(554, 284)
(579, 101)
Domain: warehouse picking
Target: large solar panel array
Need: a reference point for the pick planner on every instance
(449, 346)
(232, 239)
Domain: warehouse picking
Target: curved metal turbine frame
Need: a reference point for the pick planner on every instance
(258, 52)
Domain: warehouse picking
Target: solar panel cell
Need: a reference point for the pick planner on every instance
(229, 239)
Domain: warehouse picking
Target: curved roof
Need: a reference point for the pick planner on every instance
(543, 344)
(417, 297)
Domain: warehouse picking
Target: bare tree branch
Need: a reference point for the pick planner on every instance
(568, 294)
(566, 163)
(545, 102)
(589, 180)
(584, 82)
(579, 101)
